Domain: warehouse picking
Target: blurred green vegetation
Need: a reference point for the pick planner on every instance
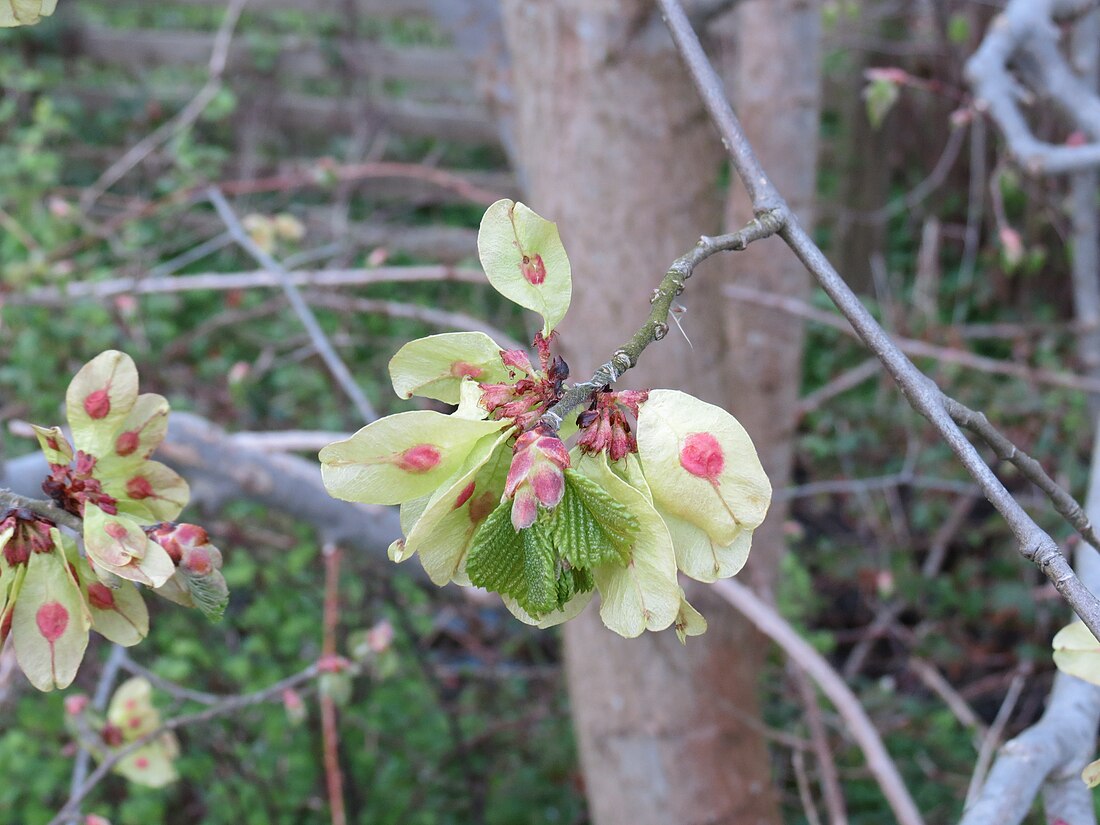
(461, 732)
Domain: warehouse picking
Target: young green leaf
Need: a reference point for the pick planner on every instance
(643, 595)
(433, 367)
(496, 557)
(525, 261)
(701, 465)
(521, 565)
(539, 570)
(50, 623)
(400, 457)
(570, 609)
(590, 527)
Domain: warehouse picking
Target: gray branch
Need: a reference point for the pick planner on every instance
(1026, 36)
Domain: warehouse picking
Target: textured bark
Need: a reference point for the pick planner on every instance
(614, 145)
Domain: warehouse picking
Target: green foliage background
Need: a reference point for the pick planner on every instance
(467, 720)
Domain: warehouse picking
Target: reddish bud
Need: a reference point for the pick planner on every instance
(75, 704)
(331, 663)
(516, 359)
(380, 637)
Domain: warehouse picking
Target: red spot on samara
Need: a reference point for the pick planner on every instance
(52, 618)
(138, 488)
(461, 369)
(51, 442)
(100, 596)
(198, 561)
(419, 459)
(702, 456)
(127, 442)
(533, 269)
(481, 506)
(464, 496)
(141, 763)
(97, 404)
(115, 530)
(134, 721)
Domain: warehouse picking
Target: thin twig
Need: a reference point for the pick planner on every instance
(229, 705)
(415, 312)
(847, 380)
(182, 119)
(915, 348)
(993, 736)
(764, 617)
(764, 225)
(47, 509)
(826, 765)
(317, 335)
(228, 281)
(330, 732)
(1065, 504)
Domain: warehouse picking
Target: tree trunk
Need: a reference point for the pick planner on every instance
(615, 146)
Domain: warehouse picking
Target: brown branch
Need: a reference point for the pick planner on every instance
(764, 225)
(923, 395)
(182, 119)
(915, 348)
(1065, 504)
(228, 705)
(223, 282)
(1027, 27)
(765, 618)
(324, 348)
(330, 731)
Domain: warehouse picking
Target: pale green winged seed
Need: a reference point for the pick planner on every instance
(400, 457)
(643, 595)
(701, 465)
(434, 367)
(524, 260)
(50, 623)
(1077, 652)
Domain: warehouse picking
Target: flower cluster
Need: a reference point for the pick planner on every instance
(131, 715)
(655, 482)
(51, 595)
